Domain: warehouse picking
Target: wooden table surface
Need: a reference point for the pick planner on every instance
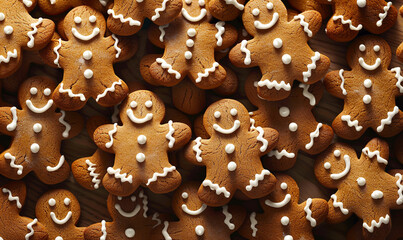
(93, 203)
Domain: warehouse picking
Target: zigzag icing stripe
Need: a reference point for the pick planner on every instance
(162, 30)
(260, 138)
(307, 94)
(196, 148)
(70, 93)
(158, 10)
(337, 204)
(12, 198)
(309, 212)
(31, 42)
(382, 220)
(348, 21)
(12, 163)
(235, 3)
(281, 154)
(10, 55)
(120, 176)
(168, 66)
(110, 133)
(110, 89)
(228, 217)
(245, 50)
(220, 31)
(165, 172)
(30, 229)
(313, 135)
(169, 134)
(91, 168)
(306, 75)
(383, 15)
(388, 120)
(215, 187)
(13, 125)
(399, 78)
(206, 72)
(376, 153)
(66, 131)
(165, 231)
(258, 177)
(304, 24)
(103, 230)
(347, 118)
(155, 218)
(341, 71)
(253, 223)
(131, 21)
(399, 185)
(145, 203)
(115, 45)
(56, 51)
(274, 84)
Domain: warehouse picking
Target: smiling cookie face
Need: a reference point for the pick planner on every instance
(285, 192)
(36, 95)
(194, 11)
(187, 201)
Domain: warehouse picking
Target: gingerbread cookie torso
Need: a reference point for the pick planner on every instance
(37, 131)
(369, 90)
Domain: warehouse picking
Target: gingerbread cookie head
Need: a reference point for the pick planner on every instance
(59, 210)
(20, 31)
(225, 10)
(195, 11)
(12, 225)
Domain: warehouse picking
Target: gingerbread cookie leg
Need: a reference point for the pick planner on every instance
(347, 124)
(207, 77)
(111, 91)
(69, 96)
(391, 123)
(162, 180)
(343, 26)
(13, 166)
(54, 173)
(167, 72)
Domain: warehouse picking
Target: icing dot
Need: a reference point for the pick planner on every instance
(33, 90)
(283, 186)
(367, 83)
(361, 3)
(8, 30)
(58, 238)
(2, 16)
(191, 32)
(67, 201)
(362, 47)
(293, 127)
(140, 157)
(188, 2)
(233, 112)
(188, 55)
(367, 99)
(377, 48)
(133, 104)
(88, 73)
(185, 195)
(120, 198)
(361, 181)
(148, 104)
(92, 18)
(37, 127)
(337, 153)
(285, 221)
(284, 111)
(129, 232)
(52, 202)
(77, 20)
(269, 5)
(190, 43)
(201, 3)
(34, 148)
(255, 12)
(141, 139)
(286, 58)
(231, 166)
(47, 91)
(199, 230)
(229, 148)
(217, 114)
(87, 55)
(288, 237)
(133, 198)
(277, 43)
(327, 165)
(377, 194)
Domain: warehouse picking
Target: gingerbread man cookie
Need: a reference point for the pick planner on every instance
(56, 7)
(283, 217)
(232, 154)
(126, 17)
(190, 42)
(20, 31)
(12, 225)
(37, 131)
(293, 119)
(197, 220)
(87, 58)
(131, 219)
(349, 17)
(59, 210)
(363, 186)
(225, 10)
(284, 42)
(135, 142)
(368, 90)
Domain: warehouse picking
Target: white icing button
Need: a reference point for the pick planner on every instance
(367, 99)
(133, 104)
(148, 104)
(199, 230)
(67, 201)
(284, 111)
(87, 55)
(37, 127)
(2, 16)
(231, 166)
(88, 73)
(286, 58)
(185, 195)
(233, 112)
(34, 148)
(229, 148)
(269, 5)
(92, 18)
(277, 43)
(367, 83)
(217, 114)
(77, 20)
(285, 221)
(327, 165)
(140, 157)
(47, 91)
(361, 3)
(190, 43)
(255, 12)
(191, 32)
(362, 47)
(293, 127)
(33, 90)
(377, 48)
(361, 181)
(141, 139)
(283, 186)
(188, 55)
(52, 202)
(288, 237)
(58, 238)
(130, 232)
(8, 30)
(377, 194)
(337, 153)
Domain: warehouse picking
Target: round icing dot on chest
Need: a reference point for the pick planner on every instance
(141, 139)
(367, 99)
(277, 43)
(92, 19)
(191, 32)
(288, 237)
(190, 43)
(37, 127)
(33, 90)
(88, 73)
(269, 5)
(2, 16)
(199, 230)
(231, 166)
(185, 195)
(229, 148)
(377, 48)
(293, 127)
(283, 186)
(58, 238)
(377, 194)
(284, 111)
(130, 232)
(52, 202)
(361, 181)
(148, 104)
(255, 12)
(188, 55)
(77, 20)
(8, 30)
(87, 55)
(140, 157)
(362, 47)
(337, 153)
(327, 165)
(367, 83)
(47, 91)
(286, 58)
(285, 221)
(35, 148)
(361, 3)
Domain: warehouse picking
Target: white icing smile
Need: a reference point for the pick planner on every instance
(235, 127)
(265, 26)
(336, 176)
(78, 35)
(134, 119)
(281, 204)
(127, 214)
(194, 212)
(62, 221)
(187, 16)
(369, 67)
(43, 109)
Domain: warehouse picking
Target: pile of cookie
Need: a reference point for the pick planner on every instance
(207, 102)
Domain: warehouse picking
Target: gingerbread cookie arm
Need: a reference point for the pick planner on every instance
(9, 120)
(377, 150)
(344, 25)
(238, 215)
(103, 137)
(177, 134)
(14, 165)
(313, 67)
(44, 28)
(162, 11)
(156, 35)
(51, 54)
(383, 17)
(226, 35)
(125, 18)
(316, 210)
(338, 212)
(335, 83)
(98, 231)
(310, 22)
(265, 139)
(73, 123)
(196, 150)
(123, 47)
(242, 55)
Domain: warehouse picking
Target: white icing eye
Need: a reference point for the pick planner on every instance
(217, 114)
(33, 90)
(47, 91)
(133, 104)
(362, 47)
(67, 201)
(119, 198)
(185, 195)
(148, 104)
(87, 55)
(2, 16)
(201, 3)
(284, 111)
(233, 112)
(8, 30)
(191, 32)
(283, 186)
(377, 48)
(92, 18)
(77, 20)
(327, 165)
(255, 12)
(188, 2)
(277, 43)
(337, 153)
(52, 202)
(269, 5)
(133, 198)
(361, 3)
(286, 58)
